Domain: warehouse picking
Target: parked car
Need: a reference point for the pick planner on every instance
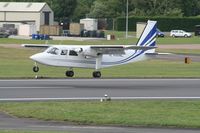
(180, 33)
(160, 33)
(3, 35)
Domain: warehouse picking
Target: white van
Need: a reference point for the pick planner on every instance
(180, 33)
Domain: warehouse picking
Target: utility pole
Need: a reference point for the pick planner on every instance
(126, 19)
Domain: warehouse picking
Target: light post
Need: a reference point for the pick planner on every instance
(126, 19)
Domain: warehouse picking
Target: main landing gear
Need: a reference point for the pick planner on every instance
(69, 73)
(96, 74)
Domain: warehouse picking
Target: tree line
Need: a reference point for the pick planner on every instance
(77, 9)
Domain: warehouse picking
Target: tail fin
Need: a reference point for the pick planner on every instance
(148, 37)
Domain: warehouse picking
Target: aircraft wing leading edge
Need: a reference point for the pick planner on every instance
(116, 49)
(35, 45)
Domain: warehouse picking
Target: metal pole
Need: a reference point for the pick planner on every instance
(126, 19)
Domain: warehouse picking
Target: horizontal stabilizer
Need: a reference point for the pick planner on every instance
(158, 53)
(141, 47)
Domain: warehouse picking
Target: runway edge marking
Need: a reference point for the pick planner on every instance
(94, 98)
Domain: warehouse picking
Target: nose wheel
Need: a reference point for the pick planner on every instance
(35, 69)
(69, 73)
(96, 74)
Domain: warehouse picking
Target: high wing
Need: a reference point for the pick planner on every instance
(35, 45)
(111, 49)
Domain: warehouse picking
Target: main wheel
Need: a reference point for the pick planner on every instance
(96, 74)
(35, 69)
(69, 73)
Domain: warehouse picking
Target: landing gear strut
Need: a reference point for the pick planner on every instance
(69, 73)
(36, 68)
(96, 74)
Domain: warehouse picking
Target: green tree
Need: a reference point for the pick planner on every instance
(108, 8)
(77, 9)
(62, 8)
(156, 8)
(190, 7)
(82, 9)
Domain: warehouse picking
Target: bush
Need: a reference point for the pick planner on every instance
(164, 23)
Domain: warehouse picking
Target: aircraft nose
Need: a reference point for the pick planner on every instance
(35, 57)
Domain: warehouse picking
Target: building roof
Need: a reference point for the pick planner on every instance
(89, 19)
(21, 6)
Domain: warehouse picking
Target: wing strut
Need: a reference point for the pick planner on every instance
(98, 62)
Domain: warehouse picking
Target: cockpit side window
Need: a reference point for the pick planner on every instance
(53, 51)
(73, 53)
(64, 52)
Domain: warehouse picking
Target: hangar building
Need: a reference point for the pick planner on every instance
(26, 13)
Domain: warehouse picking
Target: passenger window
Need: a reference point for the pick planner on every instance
(73, 53)
(64, 52)
(53, 51)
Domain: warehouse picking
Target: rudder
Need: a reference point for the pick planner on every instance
(148, 37)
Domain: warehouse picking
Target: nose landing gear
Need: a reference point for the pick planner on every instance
(36, 68)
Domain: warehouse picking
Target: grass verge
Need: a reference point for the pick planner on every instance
(120, 40)
(148, 113)
(20, 131)
(180, 51)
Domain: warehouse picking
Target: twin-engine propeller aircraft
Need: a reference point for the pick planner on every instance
(97, 56)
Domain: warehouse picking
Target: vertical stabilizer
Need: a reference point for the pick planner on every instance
(148, 37)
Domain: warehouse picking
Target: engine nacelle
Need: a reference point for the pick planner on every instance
(79, 50)
(89, 53)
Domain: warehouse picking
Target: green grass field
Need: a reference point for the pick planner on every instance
(150, 113)
(180, 51)
(120, 39)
